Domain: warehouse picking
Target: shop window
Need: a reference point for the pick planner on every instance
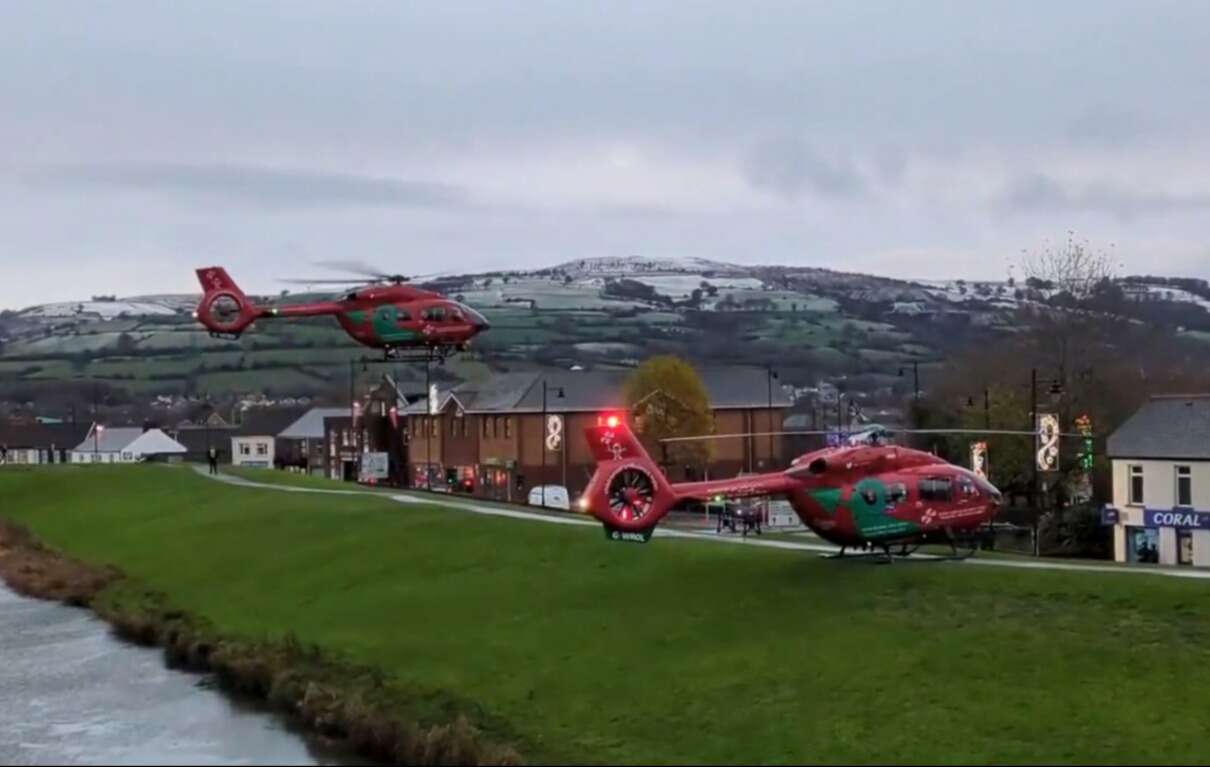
(262, 448)
(245, 448)
(1136, 486)
(939, 489)
(508, 426)
(1184, 486)
(1142, 544)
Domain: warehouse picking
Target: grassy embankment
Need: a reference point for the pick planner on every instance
(677, 651)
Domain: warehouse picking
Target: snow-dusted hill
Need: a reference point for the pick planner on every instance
(623, 266)
(106, 310)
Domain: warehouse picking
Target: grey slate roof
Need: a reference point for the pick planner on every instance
(113, 439)
(729, 387)
(1170, 426)
(311, 424)
(41, 435)
(267, 421)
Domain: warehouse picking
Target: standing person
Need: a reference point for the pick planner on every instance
(3, 453)
(213, 457)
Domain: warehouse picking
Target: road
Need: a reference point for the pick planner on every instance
(561, 518)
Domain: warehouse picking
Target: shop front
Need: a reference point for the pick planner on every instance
(1177, 536)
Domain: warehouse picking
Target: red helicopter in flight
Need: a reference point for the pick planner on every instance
(861, 494)
(387, 314)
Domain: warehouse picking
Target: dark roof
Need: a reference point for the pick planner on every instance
(1170, 426)
(63, 436)
(728, 387)
(196, 438)
(268, 421)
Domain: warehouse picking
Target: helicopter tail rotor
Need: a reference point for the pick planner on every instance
(628, 492)
(224, 309)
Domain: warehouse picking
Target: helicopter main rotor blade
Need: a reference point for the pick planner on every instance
(353, 267)
(738, 435)
(432, 276)
(298, 281)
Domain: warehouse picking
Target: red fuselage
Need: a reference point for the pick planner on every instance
(380, 316)
(847, 495)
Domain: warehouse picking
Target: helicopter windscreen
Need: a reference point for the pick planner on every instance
(472, 316)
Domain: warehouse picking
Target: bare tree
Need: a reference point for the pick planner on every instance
(1074, 267)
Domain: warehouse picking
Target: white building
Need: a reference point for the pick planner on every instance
(124, 445)
(1161, 483)
(255, 442)
(257, 451)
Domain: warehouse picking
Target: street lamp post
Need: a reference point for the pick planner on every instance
(545, 435)
(428, 427)
(915, 391)
(770, 374)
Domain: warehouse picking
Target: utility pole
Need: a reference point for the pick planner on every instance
(769, 376)
(543, 432)
(1033, 427)
(428, 428)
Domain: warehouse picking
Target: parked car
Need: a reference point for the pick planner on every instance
(556, 497)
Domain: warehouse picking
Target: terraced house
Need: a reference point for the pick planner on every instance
(517, 431)
(1161, 483)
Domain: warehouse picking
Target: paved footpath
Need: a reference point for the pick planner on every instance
(559, 518)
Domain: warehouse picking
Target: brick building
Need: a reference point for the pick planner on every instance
(493, 438)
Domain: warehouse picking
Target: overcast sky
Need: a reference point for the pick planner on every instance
(141, 139)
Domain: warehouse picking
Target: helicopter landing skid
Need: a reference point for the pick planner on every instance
(436, 354)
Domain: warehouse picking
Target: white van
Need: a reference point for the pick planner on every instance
(556, 497)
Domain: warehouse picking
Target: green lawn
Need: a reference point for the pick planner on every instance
(678, 651)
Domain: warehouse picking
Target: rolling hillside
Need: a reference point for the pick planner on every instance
(815, 324)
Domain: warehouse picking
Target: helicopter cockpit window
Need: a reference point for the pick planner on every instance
(456, 316)
(939, 489)
(896, 492)
(434, 314)
(966, 488)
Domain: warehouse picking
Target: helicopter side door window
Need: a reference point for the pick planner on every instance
(402, 317)
(937, 489)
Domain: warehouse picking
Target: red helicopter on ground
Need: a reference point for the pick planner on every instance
(388, 314)
(861, 494)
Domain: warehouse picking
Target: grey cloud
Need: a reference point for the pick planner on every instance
(1110, 126)
(256, 184)
(789, 168)
(1040, 193)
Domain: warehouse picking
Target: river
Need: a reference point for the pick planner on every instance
(72, 693)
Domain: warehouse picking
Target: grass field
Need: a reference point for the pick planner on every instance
(671, 652)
